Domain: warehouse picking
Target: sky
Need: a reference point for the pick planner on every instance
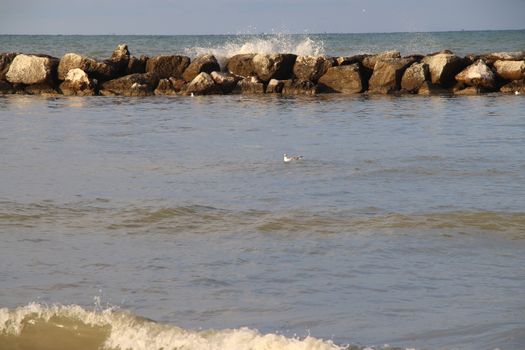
(172, 17)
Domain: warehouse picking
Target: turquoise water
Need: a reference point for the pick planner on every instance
(173, 222)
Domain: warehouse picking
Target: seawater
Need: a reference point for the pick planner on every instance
(172, 222)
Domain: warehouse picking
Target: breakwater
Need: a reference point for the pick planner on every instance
(280, 73)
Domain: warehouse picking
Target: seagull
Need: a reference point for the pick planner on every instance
(288, 159)
(516, 92)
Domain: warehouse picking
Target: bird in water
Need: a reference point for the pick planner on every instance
(288, 159)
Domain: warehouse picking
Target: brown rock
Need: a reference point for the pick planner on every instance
(504, 56)
(312, 67)
(477, 75)
(77, 83)
(348, 60)
(369, 61)
(30, 69)
(510, 70)
(167, 66)
(514, 87)
(414, 77)
(6, 88)
(299, 87)
(275, 86)
(130, 85)
(443, 67)
(226, 81)
(166, 87)
(427, 89)
(251, 85)
(119, 59)
(137, 64)
(93, 68)
(203, 84)
(344, 79)
(273, 66)
(387, 75)
(5, 62)
(43, 89)
(204, 63)
(241, 65)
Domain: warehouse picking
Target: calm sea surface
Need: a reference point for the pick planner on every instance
(172, 222)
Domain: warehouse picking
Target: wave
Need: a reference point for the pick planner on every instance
(57, 327)
(102, 215)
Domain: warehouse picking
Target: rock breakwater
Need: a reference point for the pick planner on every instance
(279, 73)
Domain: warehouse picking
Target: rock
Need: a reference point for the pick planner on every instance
(348, 60)
(427, 89)
(203, 84)
(275, 86)
(137, 65)
(387, 75)
(414, 77)
(167, 66)
(94, 69)
(273, 66)
(6, 88)
(29, 69)
(515, 86)
(478, 75)
(44, 89)
(204, 63)
(226, 81)
(369, 61)
(119, 59)
(299, 87)
(241, 65)
(510, 70)
(504, 56)
(250, 85)
(130, 85)
(170, 86)
(77, 83)
(5, 62)
(311, 67)
(344, 79)
(470, 91)
(443, 67)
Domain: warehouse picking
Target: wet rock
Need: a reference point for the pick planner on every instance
(250, 85)
(77, 83)
(275, 86)
(514, 87)
(348, 60)
(137, 64)
(167, 66)
(241, 65)
(226, 81)
(170, 86)
(343, 79)
(470, 91)
(273, 66)
(119, 59)
(312, 67)
(369, 61)
(130, 85)
(510, 70)
(299, 87)
(414, 77)
(5, 62)
(427, 89)
(203, 84)
(387, 75)
(443, 67)
(43, 89)
(204, 63)
(504, 56)
(30, 69)
(6, 88)
(477, 75)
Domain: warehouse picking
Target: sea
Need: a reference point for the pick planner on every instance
(172, 222)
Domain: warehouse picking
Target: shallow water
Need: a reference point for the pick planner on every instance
(403, 225)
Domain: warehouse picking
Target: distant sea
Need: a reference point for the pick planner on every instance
(173, 222)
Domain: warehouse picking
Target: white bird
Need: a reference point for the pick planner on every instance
(288, 159)
(516, 92)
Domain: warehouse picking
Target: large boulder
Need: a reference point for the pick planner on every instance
(167, 66)
(369, 61)
(344, 79)
(203, 84)
(203, 63)
(273, 66)
(241, 65)
(225, 81)
(94, 69)
(5, 62)
(387, 75)
(30, 69)
(119, 59)
(130, 85)
(514, 87)
(510, 70)
(170, 86)
(443, 67)
(137, 64)
(504, 56)
(77, 83)
(312, 67)
(299, 87)
(414, 77)
(477, 75)
(250, 85)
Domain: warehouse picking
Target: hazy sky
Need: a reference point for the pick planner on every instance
(255, 16)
